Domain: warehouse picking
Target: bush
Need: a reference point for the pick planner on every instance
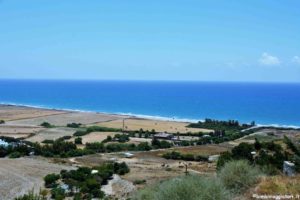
(2, 122)
(80, 133)
(15, 155)
(47, 141)
(74, 125)
(139, 182)
(46, 125)
(243, 151)
(58, 193)
(50, 180)
(185, 188)
(121, 168)
(78, 140)
(238, 176)
(224, 157)
(95, 146)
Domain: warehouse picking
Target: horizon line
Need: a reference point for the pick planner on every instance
(148, 80)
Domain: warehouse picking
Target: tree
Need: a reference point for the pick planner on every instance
(243, 151)
(46, 125)
(257, 144)
(78, 140)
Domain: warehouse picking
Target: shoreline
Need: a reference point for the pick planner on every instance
(138, 116)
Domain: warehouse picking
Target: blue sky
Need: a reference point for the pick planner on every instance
(207, 40)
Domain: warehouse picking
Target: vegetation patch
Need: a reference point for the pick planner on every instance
(189, 187)
(174, 155)
(47, 125)
(83, 183)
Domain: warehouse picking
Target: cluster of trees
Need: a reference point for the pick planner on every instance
(62, 148)
(160, 144)
(59, 148)
(141, 133)
(174, 155)
(216, 139)
(95, 129)
(230, 125)
(74, 125)
(83, 183)
(48, 141)
(117, 147)
(268, 155)
(15, 149)
(122, 138)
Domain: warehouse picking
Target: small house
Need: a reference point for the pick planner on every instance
(288, 168)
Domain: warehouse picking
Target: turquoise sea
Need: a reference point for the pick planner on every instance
(265, 103)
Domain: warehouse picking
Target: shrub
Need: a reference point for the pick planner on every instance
(185, 188)
(139, 182)
(46, 125)
(2, 122)
(15, 155)
(78, 140)
(143, 146)
(224, 157)
(80, 133)
(243, 151)
(238, 176)
(95, 146)
(58, 193)
(47, 141)
(74, 125)
(50, 180)
(121, 168)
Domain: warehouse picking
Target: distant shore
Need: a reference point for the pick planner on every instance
(139, 116)
(136, 116)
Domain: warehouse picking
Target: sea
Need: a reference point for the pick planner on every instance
(276, 104)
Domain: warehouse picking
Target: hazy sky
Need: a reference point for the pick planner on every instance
(224, 40)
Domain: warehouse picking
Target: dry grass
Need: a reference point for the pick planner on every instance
(9, 113)
(97, 136)
(18, 131)
(65, 118)
(210, 149)
(147, 124)
(51, 134)
(279, 185)
(134, 140)
(18, 176)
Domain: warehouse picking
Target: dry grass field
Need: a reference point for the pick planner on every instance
(51, 134)
(279, 185)
(65, 118)
(18, 131)
(147, 124)
(18, 176)
(9, 113)
(134, 140)
(96, 136)
(210, 149)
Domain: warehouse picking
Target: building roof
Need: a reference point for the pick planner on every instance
(163, 135)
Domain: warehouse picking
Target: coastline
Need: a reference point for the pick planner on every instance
(137, 116)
